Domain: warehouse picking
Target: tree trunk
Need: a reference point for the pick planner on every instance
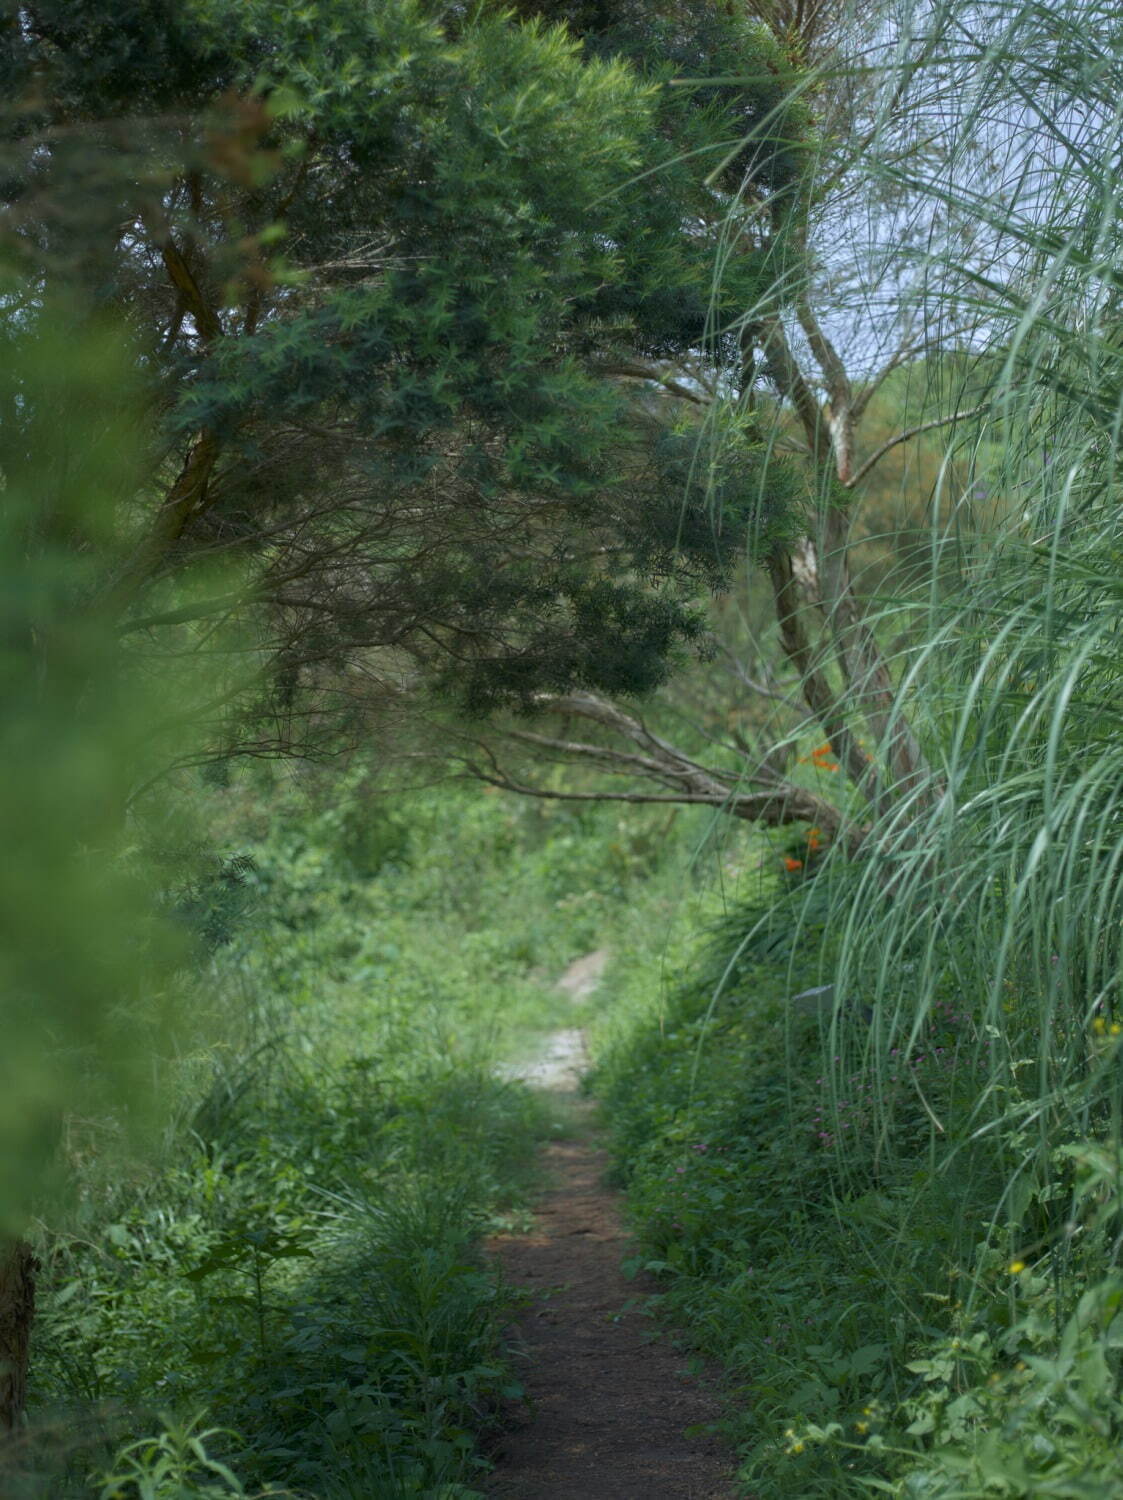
(17, 1309)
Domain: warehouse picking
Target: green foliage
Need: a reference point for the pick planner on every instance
(1021, 1398)
(88, 967)
(734, 1192)
(902, 1301)
(400, 256)
(413, 246)
(724, 115)
(893, 1210)
(175, 1465)
(304, 1264)
(299, 1271)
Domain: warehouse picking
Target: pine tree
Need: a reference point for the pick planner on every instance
(399, 280)
(380, 293)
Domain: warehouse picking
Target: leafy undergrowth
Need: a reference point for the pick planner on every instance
(304, 1269)
(309, 1275)
(896, 1312)
(290, 1298)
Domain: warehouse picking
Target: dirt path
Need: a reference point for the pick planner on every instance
(609, 1404)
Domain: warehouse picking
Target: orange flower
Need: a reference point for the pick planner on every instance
(793, 864)
(820, 758)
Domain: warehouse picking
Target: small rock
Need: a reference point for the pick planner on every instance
(584, 975)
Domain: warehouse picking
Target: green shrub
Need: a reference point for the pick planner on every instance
(298, 1269)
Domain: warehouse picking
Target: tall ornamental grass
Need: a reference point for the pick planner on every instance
(991, 892)
(916, 1189)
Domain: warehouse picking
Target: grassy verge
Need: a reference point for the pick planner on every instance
(288, 1295)
(895, 1313)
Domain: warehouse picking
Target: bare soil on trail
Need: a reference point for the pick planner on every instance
(609, 1404)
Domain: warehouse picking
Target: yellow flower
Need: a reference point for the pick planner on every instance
(1099, 1025)
(861, 1427)
(797, 1447)
(1016, 1266)
(1115, 1028)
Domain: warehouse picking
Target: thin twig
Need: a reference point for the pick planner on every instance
(903, 437)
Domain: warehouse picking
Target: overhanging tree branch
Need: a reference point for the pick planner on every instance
(775, 807)
(910, 433)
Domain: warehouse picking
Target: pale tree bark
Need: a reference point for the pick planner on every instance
(846, 684)
(841, 672)
(830, 429)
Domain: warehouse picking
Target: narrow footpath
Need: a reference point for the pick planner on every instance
(612, 1414)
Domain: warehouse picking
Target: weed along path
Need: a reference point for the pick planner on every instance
(611, 1414)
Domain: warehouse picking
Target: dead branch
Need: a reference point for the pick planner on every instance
(907, 435)
(773, 808)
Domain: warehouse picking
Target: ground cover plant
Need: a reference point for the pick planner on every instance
(291, 1292)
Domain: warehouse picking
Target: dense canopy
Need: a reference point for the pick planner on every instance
(399, 279)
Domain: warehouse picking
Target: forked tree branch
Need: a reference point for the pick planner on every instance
(907, 436)
(188, 496)
(183, 279)
(773, 801)
(773, 807)
(900, 356)
(186, 499)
